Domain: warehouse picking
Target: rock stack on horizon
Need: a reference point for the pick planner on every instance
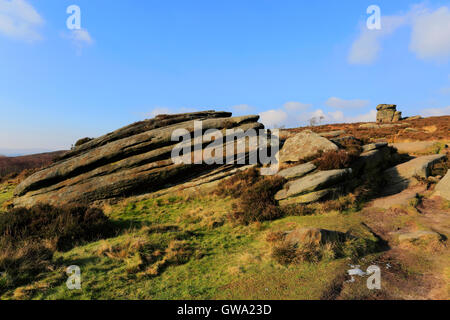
(387, 113)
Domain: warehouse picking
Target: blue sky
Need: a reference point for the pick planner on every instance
(286, 60)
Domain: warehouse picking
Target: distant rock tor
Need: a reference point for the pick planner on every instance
(130, 161)
(388, 113)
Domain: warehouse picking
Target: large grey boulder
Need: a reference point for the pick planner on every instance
(297, 171)
(418, 237)
(404, 175)
(374, 146)
(310, 197)
(416, 147)
(443, 187)
(316, 236)
(377, 158)
(313, 182)
(305, 145)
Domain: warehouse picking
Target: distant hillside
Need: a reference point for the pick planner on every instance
(10, 166)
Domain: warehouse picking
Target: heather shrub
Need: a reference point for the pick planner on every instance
(286, 253)
(257, 203)
(82, 141)
(21, 264)
(235, 185)
(67, 226)
(331, 160)
(340, 204)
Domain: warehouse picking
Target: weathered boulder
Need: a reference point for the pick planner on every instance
(305, 145)
(130, 161)
(416, 147)
(404, 175)
(388, 113)
(297, 171)
(369, 126)
(310, 197)
(419, 237)
(332, 134)
(373, 160)
(313, 182)
(314, 235)
(374, 146)
(443, 187)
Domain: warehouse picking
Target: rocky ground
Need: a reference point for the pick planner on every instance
(346, 195)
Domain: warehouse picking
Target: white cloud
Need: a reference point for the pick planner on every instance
(339, 103)
(430, 38)
(336, 117)
(80, 38)
(19, 20)
(242, 108)
(367, 46)
(433, 112)
(444, 90)
(371, 116)
(296, 114)
(296, 106)
(273, 118)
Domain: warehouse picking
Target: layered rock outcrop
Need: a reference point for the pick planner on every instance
(133, 160)
(388, 113)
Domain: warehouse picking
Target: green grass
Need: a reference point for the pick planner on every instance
(6, 193)
(228, 260)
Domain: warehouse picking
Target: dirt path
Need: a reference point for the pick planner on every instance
(415, 271)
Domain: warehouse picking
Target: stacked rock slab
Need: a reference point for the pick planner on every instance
(407, 174)
(132, 160)
(388, 113)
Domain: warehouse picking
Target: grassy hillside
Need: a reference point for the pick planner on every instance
(218, 259)
(197, 245)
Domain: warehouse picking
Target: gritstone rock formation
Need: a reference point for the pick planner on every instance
(388, 113)
(133, 160)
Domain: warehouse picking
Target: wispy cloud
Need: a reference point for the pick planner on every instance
(19, 20)
(430, 35)
(240, 108)
(296, 114)
(296, 106)
(80, 39)
(366, 48)
(339, 103)
(433, 112)
(274, 118)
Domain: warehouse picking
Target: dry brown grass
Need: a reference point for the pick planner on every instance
(12, 167)
(440, 130)
(331, 160)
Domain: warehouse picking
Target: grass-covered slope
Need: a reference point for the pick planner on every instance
(185, 247)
